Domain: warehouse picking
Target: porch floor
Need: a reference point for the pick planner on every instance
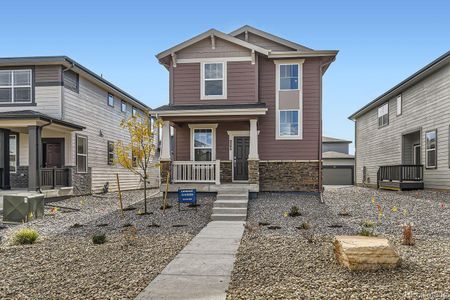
(212, 188)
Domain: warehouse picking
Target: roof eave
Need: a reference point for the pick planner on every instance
(317, 53)
(210, 112)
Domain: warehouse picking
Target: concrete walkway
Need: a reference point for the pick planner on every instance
(202, 270)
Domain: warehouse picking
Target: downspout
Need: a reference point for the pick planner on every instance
(322, 66)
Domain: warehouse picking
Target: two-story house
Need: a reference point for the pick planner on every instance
(58, 125)
(338, 164)
(402, 137)
(245, 107)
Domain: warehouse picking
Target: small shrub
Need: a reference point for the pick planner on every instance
(366, 232)
(309, 236)
(304, 226)
(368, 224)
(294, 212)
(25, 236)
(344, 213)
(408, 237)
(99, 239)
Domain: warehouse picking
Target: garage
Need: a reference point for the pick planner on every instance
(338, 175)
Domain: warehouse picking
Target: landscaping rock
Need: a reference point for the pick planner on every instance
(365, 253)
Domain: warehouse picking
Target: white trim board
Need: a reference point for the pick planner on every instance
(222, 59)
(211, 112)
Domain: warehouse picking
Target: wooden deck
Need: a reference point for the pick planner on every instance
(400, 177)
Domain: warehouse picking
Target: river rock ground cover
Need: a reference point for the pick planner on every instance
(280, 259)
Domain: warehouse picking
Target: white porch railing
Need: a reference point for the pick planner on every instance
(196, 171)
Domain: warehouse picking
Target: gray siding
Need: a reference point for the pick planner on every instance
(426, 106)
(89, 108)
(337, 147)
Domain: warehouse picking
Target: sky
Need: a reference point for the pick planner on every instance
(380, 42)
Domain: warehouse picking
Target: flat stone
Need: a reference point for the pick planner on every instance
(365, 253)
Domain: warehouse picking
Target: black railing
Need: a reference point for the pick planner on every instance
(51, 178)
(400, 173)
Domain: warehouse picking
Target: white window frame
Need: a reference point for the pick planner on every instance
(278, 64)
(380, 108)
(12, 86)
(113, 100)
(399, 105)
(133, 111)
(122, 105)
(82, 154)
(193, 127)
(15, 136)
(429, 150)
(203, 79)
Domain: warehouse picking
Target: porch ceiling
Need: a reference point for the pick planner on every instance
(19, 120)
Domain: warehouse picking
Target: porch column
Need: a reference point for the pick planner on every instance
(4, 159)
(253, 151)
(165, 141)
(34, 157)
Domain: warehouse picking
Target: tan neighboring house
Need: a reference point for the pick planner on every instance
(245, 108)
(338, 164)
(58, 123)
(402, 137)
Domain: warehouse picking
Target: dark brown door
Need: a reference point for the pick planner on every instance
(52, 155)
(241, 148)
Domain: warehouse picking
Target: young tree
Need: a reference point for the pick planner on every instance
(138, 154)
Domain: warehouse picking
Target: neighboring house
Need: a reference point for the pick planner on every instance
(58, 123)
(246, 108)
(403, 135)
(338, 164)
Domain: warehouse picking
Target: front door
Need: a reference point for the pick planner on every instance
(241, 145)
(52, 152)
(416, 154)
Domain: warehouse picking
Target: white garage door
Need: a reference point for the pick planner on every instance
(338, 175)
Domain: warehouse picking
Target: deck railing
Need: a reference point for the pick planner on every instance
(51, 178)
(196, 171)
(400, 173)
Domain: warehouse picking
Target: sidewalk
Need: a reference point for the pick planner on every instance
(202, 270)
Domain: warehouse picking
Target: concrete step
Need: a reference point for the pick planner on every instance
(231, 203)
(229, 217)
(234, 191)
(230, 210)
(232, 197)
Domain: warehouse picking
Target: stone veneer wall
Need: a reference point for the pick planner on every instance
(20, 178)
(165, 166)
(81, 182)
(288, 176)
(253, 171)
(226, 171)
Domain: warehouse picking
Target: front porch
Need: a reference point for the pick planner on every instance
(37, 153)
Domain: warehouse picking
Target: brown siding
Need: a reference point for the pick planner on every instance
(263, 42)
(308, 147)
(241, 84)
(204, 49)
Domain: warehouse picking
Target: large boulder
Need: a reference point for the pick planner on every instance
(365, 253)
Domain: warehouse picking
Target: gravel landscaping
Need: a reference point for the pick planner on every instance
(65, 264)
(295, 263)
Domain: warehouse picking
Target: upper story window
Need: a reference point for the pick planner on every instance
(399, 105)
(123, 106)
(110, 100)
(72, 81)
(383, 115)
(289, 77)
(133, 111)
(213, 81)
(431, 149)
(15, 86)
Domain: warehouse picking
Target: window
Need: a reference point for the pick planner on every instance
(15, 86)
(134, 111)
(431, 149)
(203, 144)
(289, 77)
(399, 105)
(82, 154)
(133, 159)
(213, 80)
(110, 153)
(123, 106)
(72, 81)
(110, 100)
(289, 123)
(13, 153)
(383, 115)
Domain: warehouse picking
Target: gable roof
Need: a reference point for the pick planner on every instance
(271, 37)
(207, 34)
(327, 139)
(402, 86)
(76, 67)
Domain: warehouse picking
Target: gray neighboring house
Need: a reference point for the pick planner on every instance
(58, 123)
(337, 163)
(402, 138)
